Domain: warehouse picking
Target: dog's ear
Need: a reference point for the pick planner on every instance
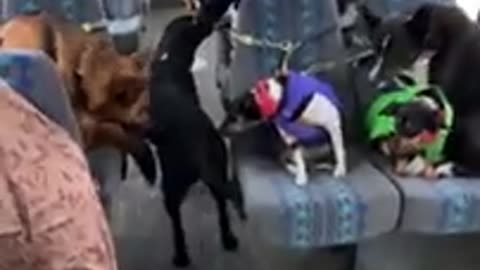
(241, 112)
(406, 79)
(91, 72)
(240, 104)
(281, 77)
(440, 120)
(142, 58)
(392, 110)
(373, 21)
(236, 4)
(86, 57)
(419, 24)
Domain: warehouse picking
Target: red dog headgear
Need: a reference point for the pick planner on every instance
(267, 105)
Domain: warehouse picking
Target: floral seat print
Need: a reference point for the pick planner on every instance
(50, 215)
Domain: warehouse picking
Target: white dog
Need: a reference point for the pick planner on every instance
(306, 113)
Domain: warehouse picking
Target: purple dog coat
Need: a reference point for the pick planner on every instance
(300, 88)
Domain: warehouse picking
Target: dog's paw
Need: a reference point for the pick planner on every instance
(181, 260)
(445, 170)
(230, 243)
(301, 179)
(340, 171)
(291, 168)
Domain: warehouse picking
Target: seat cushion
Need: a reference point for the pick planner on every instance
(34, 76)
(443, 206)
(326, 212)
(447, 206)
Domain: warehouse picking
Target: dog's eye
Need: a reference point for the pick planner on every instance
(122, 97)
(407, 127)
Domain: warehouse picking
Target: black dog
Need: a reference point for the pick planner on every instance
(454, 40)
(418, 121)
(211, 11)
(188, 145)
(396, 41)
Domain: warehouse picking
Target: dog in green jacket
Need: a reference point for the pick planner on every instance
(410, 125)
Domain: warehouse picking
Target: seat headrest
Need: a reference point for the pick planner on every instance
(34, 76)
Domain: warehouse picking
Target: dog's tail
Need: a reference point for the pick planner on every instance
(221, 174)
(144, 157)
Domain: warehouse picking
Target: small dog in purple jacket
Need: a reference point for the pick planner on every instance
(306, 113)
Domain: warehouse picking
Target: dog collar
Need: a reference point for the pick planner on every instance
(381, 125)
(435, 150)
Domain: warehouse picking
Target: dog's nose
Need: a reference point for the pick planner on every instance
(140, 121)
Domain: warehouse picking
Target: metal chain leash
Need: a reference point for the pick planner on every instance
(329, 65)
(289, 48)
(250, 40)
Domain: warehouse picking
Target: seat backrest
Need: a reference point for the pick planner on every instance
(395, 7)
(314, 23)
(122, 8)
(76, 11)
(34, 76)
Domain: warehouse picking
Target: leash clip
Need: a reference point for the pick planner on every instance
(288, 48)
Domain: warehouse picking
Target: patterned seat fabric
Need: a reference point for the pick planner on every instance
(34, 76)
(72, 10)
(444, 207)
(328, 211)
(447, 206)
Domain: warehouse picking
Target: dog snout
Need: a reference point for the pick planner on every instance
(402, 146)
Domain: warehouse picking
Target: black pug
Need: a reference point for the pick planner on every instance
(454, 41)
(211, 11)
(188, 144)
(418, 120)
(395, 41)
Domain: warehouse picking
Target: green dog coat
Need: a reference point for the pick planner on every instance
(381, 125)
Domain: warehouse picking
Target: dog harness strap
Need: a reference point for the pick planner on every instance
(435, 151)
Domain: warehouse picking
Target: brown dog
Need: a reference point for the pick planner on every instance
(107, 89)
